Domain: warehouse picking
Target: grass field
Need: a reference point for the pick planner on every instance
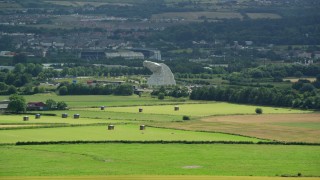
(157, 177)
(159, 159)
(195, 16)
(263, 16)
(96, 113)
(281, 127)
(200, 110)
(121, 132)
(101, 100)
(18, 119)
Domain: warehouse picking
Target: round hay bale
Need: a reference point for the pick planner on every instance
(76, 116)
(25, 118)
(140, 109)
(142, 127)
(110, 127)
(64, 115)
(37, 116)
(176, 108)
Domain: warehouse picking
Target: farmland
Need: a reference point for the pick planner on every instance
(100, 100)
(121, 132)
(173, 159)
(101, 152)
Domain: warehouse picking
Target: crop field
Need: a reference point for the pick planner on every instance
(101, 100)
(159, 159)
(18, 119)
(210, 121)
(96, 113)
(157, 177)
(200, 110)
(263, 16)
(195, 16)
(121, 132)
(78, 3)
(281, 127)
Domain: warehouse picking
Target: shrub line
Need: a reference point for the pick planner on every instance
(161, 142)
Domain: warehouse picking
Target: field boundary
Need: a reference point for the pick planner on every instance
(160, 177)
(21, 143)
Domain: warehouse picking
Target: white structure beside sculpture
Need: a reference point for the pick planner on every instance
(162, 74)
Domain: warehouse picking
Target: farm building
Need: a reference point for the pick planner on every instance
(36, 106)
(4, 104)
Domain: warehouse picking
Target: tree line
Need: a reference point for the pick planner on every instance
(83, 89)
(259, 96)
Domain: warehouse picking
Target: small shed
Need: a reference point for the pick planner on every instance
(110, 127)
(102, 107)
(37, 116)
(25, 118)
(64, 115)
(176, 108)
(142, 127)
(140, 109)
(76, 116)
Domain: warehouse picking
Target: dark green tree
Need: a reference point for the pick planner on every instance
(63, 90)
(62, 105)
(17, 104)
(51, 104)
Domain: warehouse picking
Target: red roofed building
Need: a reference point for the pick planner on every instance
(36, 106)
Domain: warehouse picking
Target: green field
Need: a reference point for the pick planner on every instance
(147, 161)
(159, 159)
(101, 100)
(218, 108)
(121, 132)
(157, 177)
(18, 119)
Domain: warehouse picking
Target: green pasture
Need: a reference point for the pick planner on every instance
(159, 159)
(101, 100)
(18, 119)
(121, 132)
(157, 177)
(96, 113)
(217, 108)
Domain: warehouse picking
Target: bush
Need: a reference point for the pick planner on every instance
(161, 96)
(185, 118)
(258, 110)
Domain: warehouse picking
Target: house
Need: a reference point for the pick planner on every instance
(36, 106)
(317, 55)
(4, 104)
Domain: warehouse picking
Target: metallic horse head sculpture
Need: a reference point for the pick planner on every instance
(162, 74)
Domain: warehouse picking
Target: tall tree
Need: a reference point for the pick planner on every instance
(17, 103)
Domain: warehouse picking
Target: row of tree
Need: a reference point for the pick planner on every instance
(259, 96)
(18, 104)
(82, 89)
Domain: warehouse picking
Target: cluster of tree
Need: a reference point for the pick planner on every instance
(175, 91)
(139, 9)
(53, 105)
(20, 76)
(289, 30)
(25, 78)
(17, 104)
(273, 71)
(259, 96)
(304, 85)
(82, 89)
